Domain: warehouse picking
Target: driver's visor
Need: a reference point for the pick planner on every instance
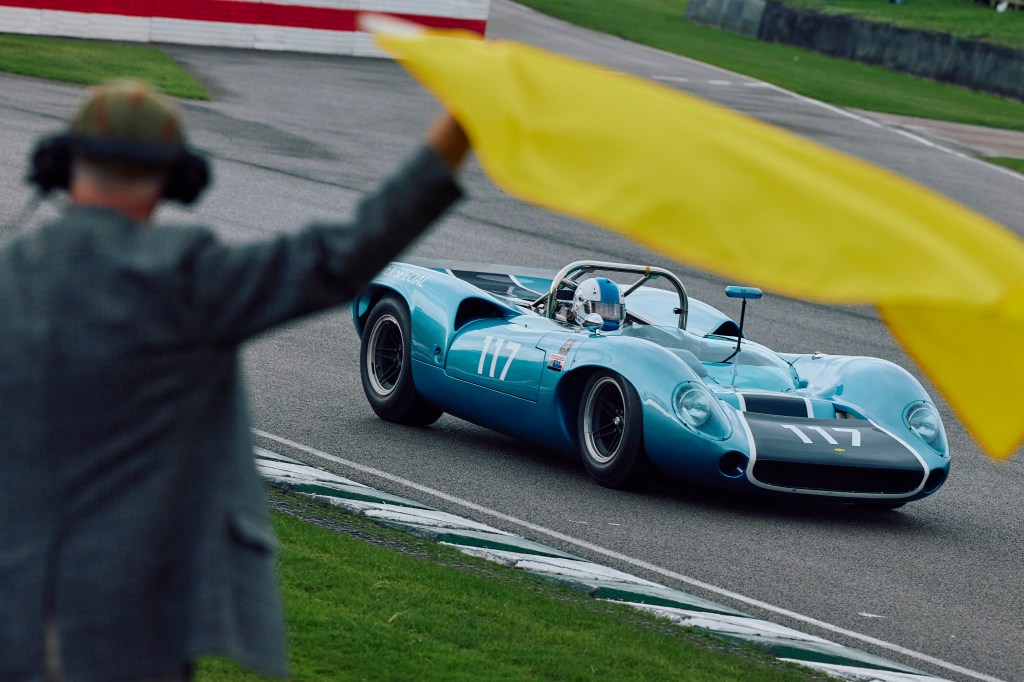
(612, 312)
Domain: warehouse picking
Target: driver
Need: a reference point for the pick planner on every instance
(598, 295)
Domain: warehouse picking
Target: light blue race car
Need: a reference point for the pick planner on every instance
(629, 376)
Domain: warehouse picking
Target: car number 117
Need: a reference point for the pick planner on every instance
(511, 347)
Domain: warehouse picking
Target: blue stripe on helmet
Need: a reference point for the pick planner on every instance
(608, 293)
(609, 290)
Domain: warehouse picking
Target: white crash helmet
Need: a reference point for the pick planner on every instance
(602, 296)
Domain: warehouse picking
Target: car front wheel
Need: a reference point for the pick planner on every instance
(385, 364)
(610, 431)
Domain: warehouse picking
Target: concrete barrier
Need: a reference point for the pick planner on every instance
(938, 56)
(738, 16)
(323, 26)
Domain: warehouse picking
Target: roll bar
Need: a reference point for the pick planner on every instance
(570, 274)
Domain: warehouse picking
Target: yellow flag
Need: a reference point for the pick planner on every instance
(708, 186)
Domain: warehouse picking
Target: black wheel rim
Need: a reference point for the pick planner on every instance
(604, 421)
(385, 355)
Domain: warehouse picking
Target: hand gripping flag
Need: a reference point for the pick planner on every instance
(707, 186)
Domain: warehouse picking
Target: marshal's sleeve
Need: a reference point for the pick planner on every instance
(235, 292)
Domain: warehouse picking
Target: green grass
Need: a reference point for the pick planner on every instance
(89, 61)
(660, 24)
(357, 610)
(1015, 164)
(961, 18)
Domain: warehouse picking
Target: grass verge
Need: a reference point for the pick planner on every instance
(358, 609)
(660, 24)
(90, 61)
(1015, 164)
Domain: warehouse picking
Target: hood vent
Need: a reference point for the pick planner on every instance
(778, 405)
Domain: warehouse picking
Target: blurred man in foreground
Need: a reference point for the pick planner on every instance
(133, 532)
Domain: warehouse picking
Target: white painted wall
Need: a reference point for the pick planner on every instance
(173, 22)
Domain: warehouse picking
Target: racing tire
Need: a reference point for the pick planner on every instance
(385, 366)
(610, 431)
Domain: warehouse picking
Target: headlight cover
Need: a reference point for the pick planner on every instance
(923, 419)
(698, 409)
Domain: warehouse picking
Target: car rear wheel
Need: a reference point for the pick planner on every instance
(610, 431)
(385, 364)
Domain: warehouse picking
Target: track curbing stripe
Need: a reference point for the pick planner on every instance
(476, 539)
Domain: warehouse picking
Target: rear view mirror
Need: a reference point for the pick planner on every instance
(743, 292)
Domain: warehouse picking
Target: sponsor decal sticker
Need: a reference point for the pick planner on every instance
(556, 362)
(404, 275)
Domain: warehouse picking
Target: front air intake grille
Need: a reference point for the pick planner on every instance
(837, 478)
(935, 479)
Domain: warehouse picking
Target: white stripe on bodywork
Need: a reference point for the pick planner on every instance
(810, 407)
(924, 464)
(515, 280)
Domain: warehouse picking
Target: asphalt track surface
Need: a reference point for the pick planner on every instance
(294, 138)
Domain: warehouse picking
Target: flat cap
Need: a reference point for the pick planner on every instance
(129, 111)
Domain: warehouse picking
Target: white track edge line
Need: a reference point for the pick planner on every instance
(630, 560)
(899, 131)
(744, 77)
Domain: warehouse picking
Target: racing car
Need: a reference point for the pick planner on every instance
(615, 364)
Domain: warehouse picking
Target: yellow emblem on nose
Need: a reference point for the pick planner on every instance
(839, 449)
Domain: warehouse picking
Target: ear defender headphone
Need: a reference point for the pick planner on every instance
(188, 172)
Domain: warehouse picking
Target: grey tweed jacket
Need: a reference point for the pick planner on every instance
(131, 512)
